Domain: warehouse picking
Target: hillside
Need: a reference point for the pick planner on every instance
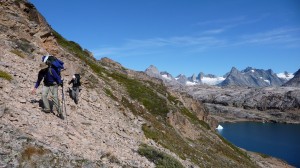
(124, 118)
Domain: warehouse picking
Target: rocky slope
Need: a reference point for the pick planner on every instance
(124, 118)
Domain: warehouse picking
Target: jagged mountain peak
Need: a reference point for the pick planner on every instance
(248, 69)
(295, 81)
(251, 77)
(152, 69)
(234, 70)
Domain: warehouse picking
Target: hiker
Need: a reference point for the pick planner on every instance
(51, 82)
(75, 87)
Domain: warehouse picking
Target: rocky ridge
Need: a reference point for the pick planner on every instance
(119, 112)
(251, 77)
(268, 104)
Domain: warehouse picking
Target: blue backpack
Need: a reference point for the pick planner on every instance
(54, 63)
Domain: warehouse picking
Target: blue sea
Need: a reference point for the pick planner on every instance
(278, 140)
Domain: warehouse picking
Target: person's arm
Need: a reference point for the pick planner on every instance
(71, 81)
(38, 82)
(40, 78)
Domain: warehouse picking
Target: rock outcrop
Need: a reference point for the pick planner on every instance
(275, 104)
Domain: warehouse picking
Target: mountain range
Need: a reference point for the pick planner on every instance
(249, 77)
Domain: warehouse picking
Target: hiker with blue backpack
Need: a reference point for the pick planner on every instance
(52, 79)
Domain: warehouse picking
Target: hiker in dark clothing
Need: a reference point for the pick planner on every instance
(51, 82)
(75, 87)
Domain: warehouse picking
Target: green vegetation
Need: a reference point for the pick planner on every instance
(5, 75)
(79, 52)
(18, 53)
(110, 94)
(168, 138)
(263, 155)
(160, 159)
(239, 151)
(146, 95)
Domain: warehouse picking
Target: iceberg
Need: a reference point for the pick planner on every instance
(219, 127)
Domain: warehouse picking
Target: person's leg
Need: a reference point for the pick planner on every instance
(76, 95)
(54, 91)
(45, 92)
(73, 93)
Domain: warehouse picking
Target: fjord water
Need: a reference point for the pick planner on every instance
(278, 140)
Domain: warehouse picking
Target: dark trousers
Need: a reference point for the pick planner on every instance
(75, 94)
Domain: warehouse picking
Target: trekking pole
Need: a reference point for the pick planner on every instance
(63, 102)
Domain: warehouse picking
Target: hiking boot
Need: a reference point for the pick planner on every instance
(46, 110)
(61, 116)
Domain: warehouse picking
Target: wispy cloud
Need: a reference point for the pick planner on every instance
(155, 45)
(284, 37)
(223, 25)
(216, 35)
(287, 37)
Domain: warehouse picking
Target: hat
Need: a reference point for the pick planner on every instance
(45, 58)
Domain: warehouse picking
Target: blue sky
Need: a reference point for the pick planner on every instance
(183, 36)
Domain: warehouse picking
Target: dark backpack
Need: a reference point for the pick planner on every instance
(77, 80)
(55, 63)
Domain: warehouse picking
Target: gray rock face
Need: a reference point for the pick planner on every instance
(153, 72)
(193, 78)
(182, 79)
(281, 104)
(251, 77)
(295, 81)
(166, 77)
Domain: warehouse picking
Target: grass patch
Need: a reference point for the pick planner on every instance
(18, 53)
(263, 155)
(160, 159)
(174, 100)
(236, 149)
(5, 75)
(110, 94)
(144, 94)
(170, 139)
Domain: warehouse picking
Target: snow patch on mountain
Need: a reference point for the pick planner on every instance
(286, 76)
(212, 81)
(166, 77)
